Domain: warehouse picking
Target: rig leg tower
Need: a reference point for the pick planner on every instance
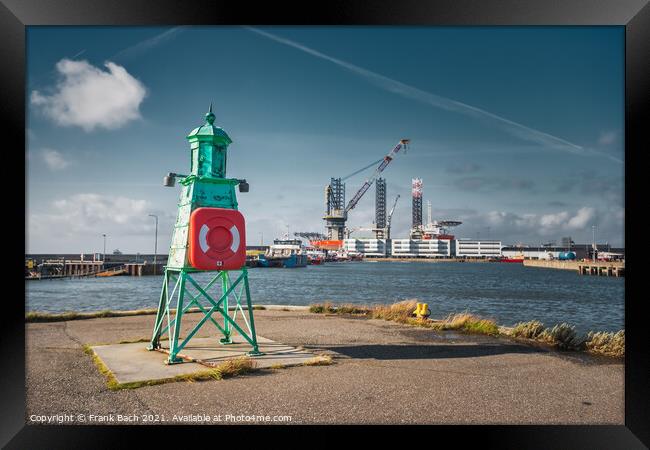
(416, 223)
(335, 213)
(380, 209)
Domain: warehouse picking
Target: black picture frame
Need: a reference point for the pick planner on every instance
(634, 15)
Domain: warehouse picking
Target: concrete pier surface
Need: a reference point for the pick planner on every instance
(382, 372)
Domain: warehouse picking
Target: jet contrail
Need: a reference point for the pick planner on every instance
(147, 44)
(413, 93)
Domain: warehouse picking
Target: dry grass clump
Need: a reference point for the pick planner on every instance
(227, 369)
(322, 308)
(328, 308)
(352, 309)
(234, 367)
(397, 312)
(319, 360)
(466, 322)
(608, 344)
(529, 330)
(563, 336)
(402, 312)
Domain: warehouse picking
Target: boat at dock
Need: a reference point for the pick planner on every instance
(513, 259)
(315, 257)
(287, 253)
(342, 256)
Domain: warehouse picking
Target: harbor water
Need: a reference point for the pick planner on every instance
(508, 293)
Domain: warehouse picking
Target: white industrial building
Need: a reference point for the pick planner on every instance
(423, 248)
(420, 248)
(473, 248)
(531, 253)
(367, 247)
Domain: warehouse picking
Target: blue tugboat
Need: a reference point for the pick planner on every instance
(286, 253)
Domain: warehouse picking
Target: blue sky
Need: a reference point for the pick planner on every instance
(516, 131)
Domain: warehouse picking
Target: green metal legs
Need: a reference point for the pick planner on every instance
(180, 280)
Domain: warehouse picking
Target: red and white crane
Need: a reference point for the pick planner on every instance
(336, 212)
(384, 162)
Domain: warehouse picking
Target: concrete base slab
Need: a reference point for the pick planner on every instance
(210, 352)
(133, 362)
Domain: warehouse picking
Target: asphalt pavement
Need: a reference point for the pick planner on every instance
(382, 372)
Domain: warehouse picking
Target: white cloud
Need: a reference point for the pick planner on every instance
(89, 97)
(541, 224)
(533, 228)
(91, 214)
(583, 217)
(54, 160)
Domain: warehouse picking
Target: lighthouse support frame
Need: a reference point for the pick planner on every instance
(181, 279)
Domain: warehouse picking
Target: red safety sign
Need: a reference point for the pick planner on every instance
(217, 239)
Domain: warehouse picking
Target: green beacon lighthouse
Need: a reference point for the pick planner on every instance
(209, 236)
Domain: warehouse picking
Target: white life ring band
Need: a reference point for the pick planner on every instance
(231, 242)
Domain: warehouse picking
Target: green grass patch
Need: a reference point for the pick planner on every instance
(36, 316)
(111, 381)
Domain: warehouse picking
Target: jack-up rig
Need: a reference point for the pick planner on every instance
(434, 229)
(336, 212)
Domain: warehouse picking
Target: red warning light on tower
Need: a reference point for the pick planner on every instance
(416, 187)
(217, 239)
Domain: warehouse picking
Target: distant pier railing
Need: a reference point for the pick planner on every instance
(63, 268)
(606, 270)
(140, 269)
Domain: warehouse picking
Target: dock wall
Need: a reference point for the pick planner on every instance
(601, 268)
(553, 264)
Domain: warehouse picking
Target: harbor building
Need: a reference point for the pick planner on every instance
(367, 247)
(421, 248)
(582, 251)
(474, 248)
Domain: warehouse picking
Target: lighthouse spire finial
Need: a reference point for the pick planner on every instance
(209, 117)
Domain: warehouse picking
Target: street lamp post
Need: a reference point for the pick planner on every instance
(104, 258)
(593, 245)
(155, 246)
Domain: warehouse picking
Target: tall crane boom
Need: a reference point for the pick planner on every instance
(387, 159)
(390, 214)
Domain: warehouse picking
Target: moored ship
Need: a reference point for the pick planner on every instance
(287, 253)
(513, 259)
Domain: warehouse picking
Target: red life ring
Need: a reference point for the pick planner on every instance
(217, 239)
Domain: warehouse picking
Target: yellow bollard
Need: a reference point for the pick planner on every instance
(422, 311)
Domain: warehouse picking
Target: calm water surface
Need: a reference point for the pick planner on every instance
(508, 293)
